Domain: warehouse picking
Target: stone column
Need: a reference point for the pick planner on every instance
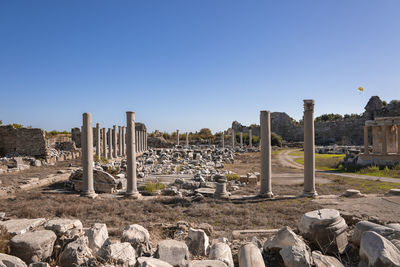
(309, 149)
(250, 138)
(123, 140)
(131, 188)
(266, 169)
(241, 139)
(120, 141)
(136, 141)
(187, 139)
(87, 156)
(110, 147)
(140, 138)
(223, 140)
(98, 149)
(384, 139)
(104, 134)
(114, 139)
(233, 138)
(366, 141)
(177, 137)
(398, 139)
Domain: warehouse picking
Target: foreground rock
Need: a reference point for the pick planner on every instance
(139, 238)
(10, 261)
(65, 227)
(21, 226)
(325, 261)
(98, 238)
(151, 262)
(103, 181)
(389, 233)
(207, 263)
(33, 246)
(197, 242)
(222, 252)
(326, 229)
(174, 252)
(121, 254)
(250, 256)
(77, 253)
(375, 250)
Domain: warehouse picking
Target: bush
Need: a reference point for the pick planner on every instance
(152, 187)
(370, 169)
(16, 125)
(328, 117)
(276, 139)
(232, 176)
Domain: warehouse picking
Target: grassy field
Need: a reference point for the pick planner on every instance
(325, 162)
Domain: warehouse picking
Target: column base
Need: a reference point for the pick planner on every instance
(134, 195)
(309, 194)
(89, 194)
(266, 195)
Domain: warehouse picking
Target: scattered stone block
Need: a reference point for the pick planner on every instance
(65, 227)
(174, 252)
(121, 254)
(77, 253)
(98, 238)
(39, 264)
(364, 226)
(250, 256)
(138, 237)
(33, 246)
(324, 260)
(11, 261)
(151, 262)
(21, 226)
(103, 181)
(207, 263)
(197, 242)
(222, 252)
(352, 193)
(393, 192)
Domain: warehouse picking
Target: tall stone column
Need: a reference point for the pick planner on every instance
(136, 141)
(146, 140)
(98, 136)
(120, 141)
(241, 139)
(187, 139)
(104, 134)
(223, 140)
(87, 156)
(110, 147)
(123, 140)
(233, 138)
(366, 141)
(309, 149)
(140, 146)
(250, 138)
(131, 188)
(177, 137)
(266, 169)
(398, 139)
(384, 139)
(114, 139)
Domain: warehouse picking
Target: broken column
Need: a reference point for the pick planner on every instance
(104, 134)
(110, 148)
(265, 140)
(87, 155)
(220, 186)
(250, 138)
(309, 149)
(223, 140)
(233, 138)
(123, 140)
(131, 189)
(241, 139)
(120, 141)
(98, 149)
(187, 139)
(398, 139)
(114, 141)
(177, 137)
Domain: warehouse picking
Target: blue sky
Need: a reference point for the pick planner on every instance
(189, 64)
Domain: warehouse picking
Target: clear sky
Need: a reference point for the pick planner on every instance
(189, 64)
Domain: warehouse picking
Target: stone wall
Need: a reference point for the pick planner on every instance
(22, 141)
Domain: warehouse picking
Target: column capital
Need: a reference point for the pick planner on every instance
(309, 104)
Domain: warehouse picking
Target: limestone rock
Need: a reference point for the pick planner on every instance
(352, 193)
(222, 252)
(103, 181)
(197, 242)
(377, 251)
(10, 261)
(21, 226)
(296, 256)
(363, 226)
(139, 238)
(98, 238)
(325, 261)
(39, 264)
(324, 228)
(64, 227)
(151, 262)
(250, 256)
(174, 252)
(207, 263)
(76, 253)
(285, 237)
(121, 254)
(33, 246)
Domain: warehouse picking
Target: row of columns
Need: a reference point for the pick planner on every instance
(309, 152)
(87, 153)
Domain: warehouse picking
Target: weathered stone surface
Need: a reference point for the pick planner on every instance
(295, 256)
(77, 253)
(103, 181)
(21, 226)
(174, 252)
(363, 226)
(121, 254)
(285, 237)
(33, 246)
(39, 264)
(207, 263)
(98, 238)
(67, 227)
(352, 193)
(324, 260)
(23, 141)
(139, 238)
(250, 256)
(10, 261)
(151, 262)
(377, 251)
(197, 242)
(324, 228)
(222, 252)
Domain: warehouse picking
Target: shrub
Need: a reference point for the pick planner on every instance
(152, 187)
(16, 125)
(328, 117)
(232, 176)
(276, 139)
(396, 167)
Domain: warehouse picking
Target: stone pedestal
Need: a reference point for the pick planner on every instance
(266, 168)
(326, 229)
(98, 136)
(104, 134)
(131, 189)
(220, 187)
(87, 155)
(309, 150)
